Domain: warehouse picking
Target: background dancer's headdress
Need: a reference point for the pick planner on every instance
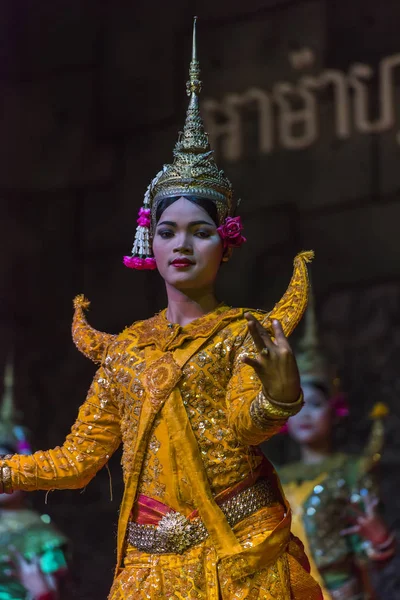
(311, 359)
(13, 437)
(193, 172)
(313, 363)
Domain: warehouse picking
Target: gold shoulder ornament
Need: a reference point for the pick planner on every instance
(291, 307)
(89, 341)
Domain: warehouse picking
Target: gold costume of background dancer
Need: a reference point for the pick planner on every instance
(333, 494)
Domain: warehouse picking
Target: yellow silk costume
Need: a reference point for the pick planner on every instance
(179, 399)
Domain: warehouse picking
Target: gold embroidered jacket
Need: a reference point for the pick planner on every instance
(146, 375)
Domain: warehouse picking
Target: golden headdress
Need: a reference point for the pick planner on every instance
(314, 366)
(193, 172)
(311, 359)
(12, 436)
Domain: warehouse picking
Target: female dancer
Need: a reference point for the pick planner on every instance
(189, 393)
(333, 495)
(33, 553)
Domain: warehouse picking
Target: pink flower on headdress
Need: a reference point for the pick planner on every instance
(150, 264)
(340, 405)
(141, 264)
(130, 262)
(23, 447)
(144, 217)
(230, 232)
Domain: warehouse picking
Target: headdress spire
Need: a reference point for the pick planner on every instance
(12, 435)
(311, 359)
(8, 413)
(194, 83)
(193, 138)
(310, 340)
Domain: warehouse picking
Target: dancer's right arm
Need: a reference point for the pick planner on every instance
(93, 439)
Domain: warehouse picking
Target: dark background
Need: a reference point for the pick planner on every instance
(92, 95)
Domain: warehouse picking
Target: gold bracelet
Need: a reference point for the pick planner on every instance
(263, 410)
(2, 489)
(287, 405)
(5, 480)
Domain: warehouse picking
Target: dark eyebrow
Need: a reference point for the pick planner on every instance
(191, 224)
(200, 223)
(167, 223)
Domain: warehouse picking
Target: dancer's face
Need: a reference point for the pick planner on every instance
(187, 247)
(313, 424)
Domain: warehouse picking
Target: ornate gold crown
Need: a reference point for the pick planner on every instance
(193, 171)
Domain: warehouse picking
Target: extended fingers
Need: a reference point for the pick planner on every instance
(259, 334)
(16, 557)
(280, 337)
(350, 530)
(371, 502)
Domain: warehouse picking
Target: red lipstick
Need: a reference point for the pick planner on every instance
(181, 263)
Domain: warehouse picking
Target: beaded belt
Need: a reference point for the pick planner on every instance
(175, 533)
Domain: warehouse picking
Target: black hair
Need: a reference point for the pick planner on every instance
(208, 205)
(322, 387)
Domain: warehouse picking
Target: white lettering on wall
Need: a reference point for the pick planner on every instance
(288, 115)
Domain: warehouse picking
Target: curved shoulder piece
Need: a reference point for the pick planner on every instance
(89, 341)
(290, 309)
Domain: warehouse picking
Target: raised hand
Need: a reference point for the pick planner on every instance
(367, 523)
(275, 364)
(31, 576)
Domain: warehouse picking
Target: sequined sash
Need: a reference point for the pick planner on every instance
(148, 511)
(162, 374)
(174, 533)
